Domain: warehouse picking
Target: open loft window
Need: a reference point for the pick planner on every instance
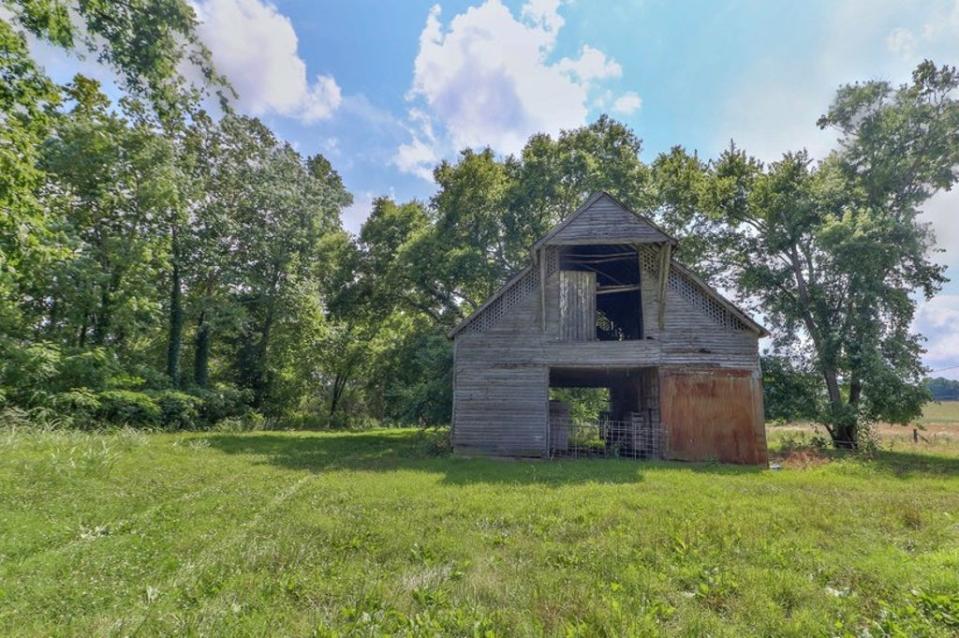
(600, 293)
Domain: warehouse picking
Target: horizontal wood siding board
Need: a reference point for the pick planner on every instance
(620, 222)
(507, 354)
(606, 221)
(500, 411)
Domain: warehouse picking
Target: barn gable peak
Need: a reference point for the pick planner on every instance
(602, 219)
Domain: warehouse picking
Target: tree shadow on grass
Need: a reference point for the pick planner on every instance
(392, 450)
(914, 464)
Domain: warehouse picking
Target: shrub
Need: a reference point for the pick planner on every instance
(26, 373)
(249, 422)
(221, 402)
(81, 405)
(126, 407)
(179, 410)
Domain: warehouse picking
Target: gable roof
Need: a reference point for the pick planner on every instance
(604, 219)
(656, 231)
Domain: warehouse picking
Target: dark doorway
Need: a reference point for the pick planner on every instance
(626, 422)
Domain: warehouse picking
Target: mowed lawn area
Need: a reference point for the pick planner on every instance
(379, 532)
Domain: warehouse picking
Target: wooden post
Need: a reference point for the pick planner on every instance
(639, 265)
(664, 264)
(542, 287)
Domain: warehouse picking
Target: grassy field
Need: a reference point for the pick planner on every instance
(377, 533)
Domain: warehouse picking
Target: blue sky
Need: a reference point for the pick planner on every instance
(385, 88)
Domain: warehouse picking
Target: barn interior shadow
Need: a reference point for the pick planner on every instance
(385, 450)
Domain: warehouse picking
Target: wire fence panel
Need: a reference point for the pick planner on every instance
(639, 437)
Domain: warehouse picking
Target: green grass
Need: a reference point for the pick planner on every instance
(372, 533)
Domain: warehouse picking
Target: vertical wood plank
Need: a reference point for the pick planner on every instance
(577, 305)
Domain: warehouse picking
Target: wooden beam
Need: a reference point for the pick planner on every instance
(639, 269)
(628, 253)
(665, 252)
(598, 259)
(542, 287)
(608, 290)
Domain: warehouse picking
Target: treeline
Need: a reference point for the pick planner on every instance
(174, 275)
(942, 389)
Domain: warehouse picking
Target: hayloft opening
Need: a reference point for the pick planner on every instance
(601, 292)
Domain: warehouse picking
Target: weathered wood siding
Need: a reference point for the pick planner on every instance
(695, 329)
(500, 402)
(713, 415)
(577, 305)
(501, 411)
(606, 222)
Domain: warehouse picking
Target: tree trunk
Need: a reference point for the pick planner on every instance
(338, 384)
(855, 392)
(84, 326)
(845, 436)
(260, 380)
(844, 427)
(201, 354)
(175, 340)
(101, 320)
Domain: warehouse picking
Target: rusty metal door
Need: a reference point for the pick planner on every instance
(713, 415)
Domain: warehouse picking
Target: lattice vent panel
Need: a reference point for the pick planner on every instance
(692, 292)
(520, 290)
(552, 260)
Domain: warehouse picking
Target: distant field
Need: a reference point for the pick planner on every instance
(946, 412)
(372, 534)
(938, 429)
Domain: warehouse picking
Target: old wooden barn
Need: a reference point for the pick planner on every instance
(605, 304)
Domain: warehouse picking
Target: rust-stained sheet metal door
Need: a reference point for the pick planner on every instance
(713, 415)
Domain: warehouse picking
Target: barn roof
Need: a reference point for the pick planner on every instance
(629, 228)
(604, 219)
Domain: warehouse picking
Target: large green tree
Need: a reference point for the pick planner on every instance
(834, 253)
(287, 204)
(110, 182)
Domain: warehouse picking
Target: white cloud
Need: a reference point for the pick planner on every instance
(628, 103)
(255, 47)
(901, 42)
(544, 13)
(485, 79)
(942, 211)
(417, 158)
(592, 64)
(938, 320)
